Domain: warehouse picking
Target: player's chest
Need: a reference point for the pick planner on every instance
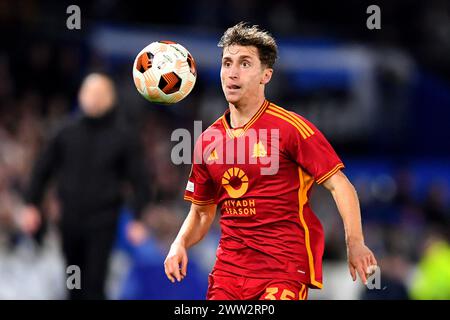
(255, 156)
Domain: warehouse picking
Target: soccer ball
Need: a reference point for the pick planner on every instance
(164, 72)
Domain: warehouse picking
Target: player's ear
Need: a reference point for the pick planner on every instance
(267, 75)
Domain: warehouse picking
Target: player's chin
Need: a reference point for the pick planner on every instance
(232, 98)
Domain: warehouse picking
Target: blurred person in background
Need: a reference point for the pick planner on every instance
(394, 271)
(91, 158)
(431, 280)
(145, 277)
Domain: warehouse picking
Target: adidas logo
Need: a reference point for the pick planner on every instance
(213, 156)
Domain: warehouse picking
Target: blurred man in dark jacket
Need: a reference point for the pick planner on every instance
(91, 158)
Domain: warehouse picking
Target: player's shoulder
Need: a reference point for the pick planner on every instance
(290, 120)
(216, 125)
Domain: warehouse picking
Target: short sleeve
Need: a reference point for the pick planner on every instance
(312, 151)
(200, 188)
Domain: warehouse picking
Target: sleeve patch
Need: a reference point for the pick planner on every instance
(190, 186)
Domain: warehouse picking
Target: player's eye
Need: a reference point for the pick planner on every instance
(245, 64)
(226, 64)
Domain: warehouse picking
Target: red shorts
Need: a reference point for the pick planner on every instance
(225, 286)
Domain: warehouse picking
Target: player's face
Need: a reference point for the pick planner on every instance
(96, 95)
(242, 75)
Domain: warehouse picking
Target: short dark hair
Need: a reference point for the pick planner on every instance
(245, 35)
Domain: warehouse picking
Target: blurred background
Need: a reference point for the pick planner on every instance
(382, 97)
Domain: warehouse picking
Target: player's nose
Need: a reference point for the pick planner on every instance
(233, 72)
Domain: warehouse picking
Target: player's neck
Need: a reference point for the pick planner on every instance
(241, 113)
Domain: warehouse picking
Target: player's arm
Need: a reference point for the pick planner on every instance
(360, 258)
(194, 228)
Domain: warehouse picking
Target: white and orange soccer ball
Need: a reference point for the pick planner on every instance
(164, 72)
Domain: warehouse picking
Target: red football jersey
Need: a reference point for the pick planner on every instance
(260, 175)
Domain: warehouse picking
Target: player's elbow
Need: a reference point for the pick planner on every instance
(338, 181)
(205, 214)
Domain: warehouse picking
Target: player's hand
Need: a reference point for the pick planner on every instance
(176, 261)
(361, 261)
(136, 232)
(30, 219)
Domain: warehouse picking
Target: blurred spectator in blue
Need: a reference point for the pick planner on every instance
(392, 285)
(146, 278)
